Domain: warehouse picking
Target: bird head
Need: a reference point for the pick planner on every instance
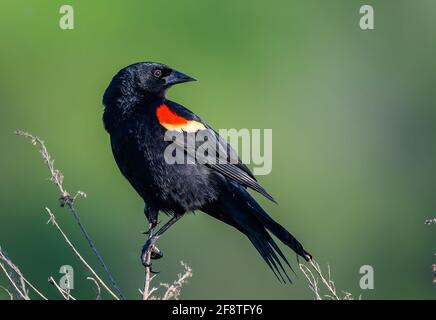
(154, 78)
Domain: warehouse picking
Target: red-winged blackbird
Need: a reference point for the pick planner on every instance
(137, 115)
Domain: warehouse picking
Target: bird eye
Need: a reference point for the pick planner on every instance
(157, 73)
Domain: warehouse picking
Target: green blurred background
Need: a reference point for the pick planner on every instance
(353, 118)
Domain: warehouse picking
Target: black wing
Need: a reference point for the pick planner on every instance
(232, 167)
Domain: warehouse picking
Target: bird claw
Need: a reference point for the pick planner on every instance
(148, 245)
(146, 248)
(156, 253)
(151, 269)
(154, 272)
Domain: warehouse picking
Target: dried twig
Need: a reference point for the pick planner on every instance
(433, 267)
(67, 200)
(19, 286)
(147, 284)
(173, 291)
(11, 296)
(327, 282)
(65, 293)
(313, 281)
(98, 288)
(73, 248)
(147, 276)
(21, 291)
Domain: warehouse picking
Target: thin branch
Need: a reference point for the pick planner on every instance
(313, 280)
(23, 280)
(73, 248)
(98, 288)
(65, 293)
(11, 296)
(433, 266)
(22, 294)
(173, 291)
(147, 276)
(328, 283)
(67, 200)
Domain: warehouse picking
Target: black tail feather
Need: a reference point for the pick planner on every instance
(241, 211)
(267, 257)
(267, 248)
(277, 230)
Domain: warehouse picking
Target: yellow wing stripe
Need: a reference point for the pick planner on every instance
(189, 126)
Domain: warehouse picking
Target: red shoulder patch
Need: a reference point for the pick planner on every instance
(172, 121)
(167, 116)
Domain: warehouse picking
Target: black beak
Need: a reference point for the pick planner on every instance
(177, 77)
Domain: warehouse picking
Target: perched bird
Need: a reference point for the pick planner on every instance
(137, 116)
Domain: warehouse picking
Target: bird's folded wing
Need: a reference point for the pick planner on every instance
(221, 157)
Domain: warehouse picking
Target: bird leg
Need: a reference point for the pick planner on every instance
(150, 243)
(147, 256)
(153, 222)
(151, 227)
(151, 216)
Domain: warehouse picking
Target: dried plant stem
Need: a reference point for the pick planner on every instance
(11, 296)
(328, 283)
(147, 277)
(98, 297)
(147, 280)
(94, 249)
(173, 291)
(433, 266)
(65, 294)
(73, 248)
(23, 281)
(66, 199)
(34, 289)
(23, 294)
(313, 280)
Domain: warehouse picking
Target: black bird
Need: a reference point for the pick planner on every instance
(137, 116)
